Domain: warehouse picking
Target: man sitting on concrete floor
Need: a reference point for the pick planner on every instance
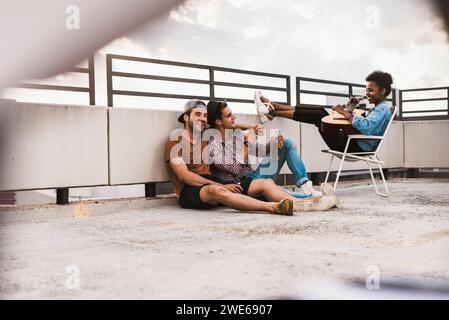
(230, 149)
(192, 182)
(269, 168)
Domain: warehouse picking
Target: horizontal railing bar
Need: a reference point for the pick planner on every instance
(441, 117)
(177, 96)
(249, 86)
(323, 93)
(424, 89)
(49, 87)
(196, 81)
(332, 94)
(426, 111)
(197, 66)
(424, 100)
(331, 82)
(158, 95)
(161, 78)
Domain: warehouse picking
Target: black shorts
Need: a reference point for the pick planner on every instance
(189, 198)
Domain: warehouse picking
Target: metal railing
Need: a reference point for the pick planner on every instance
(90, 71)
(350, 90)
(211, 82)
(403, 102)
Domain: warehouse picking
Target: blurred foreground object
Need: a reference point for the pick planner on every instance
(442, 8)
(47, 37)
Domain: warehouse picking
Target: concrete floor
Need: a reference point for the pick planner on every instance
(170, 253)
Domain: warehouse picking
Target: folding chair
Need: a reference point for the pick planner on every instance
(368, 157)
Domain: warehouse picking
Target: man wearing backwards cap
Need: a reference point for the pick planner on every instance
(192, 182)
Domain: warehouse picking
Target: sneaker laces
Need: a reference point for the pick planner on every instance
(308, 188)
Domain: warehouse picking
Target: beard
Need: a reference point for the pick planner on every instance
(196, 126)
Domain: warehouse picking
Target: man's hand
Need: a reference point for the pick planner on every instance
(341, 110)
(258, 129)
(234, 188)
(280, 141)
(352, 100)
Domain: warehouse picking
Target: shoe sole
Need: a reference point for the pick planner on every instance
(328, 190)
(317, 207)
(262, 116)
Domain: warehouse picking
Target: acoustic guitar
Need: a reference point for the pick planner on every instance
(335, 123)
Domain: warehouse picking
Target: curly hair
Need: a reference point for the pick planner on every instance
(382, 79)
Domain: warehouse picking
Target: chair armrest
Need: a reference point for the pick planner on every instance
(362, 136)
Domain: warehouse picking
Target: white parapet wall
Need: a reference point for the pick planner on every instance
(50, 146)
(54, 146)
(426, 144)
(136, 144)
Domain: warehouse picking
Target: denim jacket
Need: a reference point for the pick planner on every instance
(374, 124)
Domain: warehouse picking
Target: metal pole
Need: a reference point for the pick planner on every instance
(62, 196)
(150, 190)
(298, 91)
(109, 79)
(448, 103)
(91, 65)
(212, 84)
(289, 94)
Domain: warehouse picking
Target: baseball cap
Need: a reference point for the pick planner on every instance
(194, 103)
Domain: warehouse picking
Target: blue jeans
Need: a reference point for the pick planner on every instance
(269, 167)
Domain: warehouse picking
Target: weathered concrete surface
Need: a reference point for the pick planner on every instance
(168, 253)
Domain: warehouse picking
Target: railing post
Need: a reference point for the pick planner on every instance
(109, 80)
(448, 102)
(62, 196)
(150, 190)
(91, 66)
(394, 97)
(289, 93)
(211, 84)
(350, 90)
(400, 105)
(298, 91)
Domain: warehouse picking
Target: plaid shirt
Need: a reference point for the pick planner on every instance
(229, 160)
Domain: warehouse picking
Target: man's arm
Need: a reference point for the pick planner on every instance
(257, 128)
(186, 176)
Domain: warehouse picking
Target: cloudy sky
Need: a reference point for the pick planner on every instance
(339, 40)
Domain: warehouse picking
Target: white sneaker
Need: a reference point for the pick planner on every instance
(328, 189)
(307, 188)
(322, 203)
(262, 109)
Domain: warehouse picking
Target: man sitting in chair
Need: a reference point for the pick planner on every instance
(374, 122)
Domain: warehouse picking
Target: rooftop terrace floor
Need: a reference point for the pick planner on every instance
(133, 251)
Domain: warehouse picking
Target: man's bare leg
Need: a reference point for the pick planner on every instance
(218, 195)
(267, 188)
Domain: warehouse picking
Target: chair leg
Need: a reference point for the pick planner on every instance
(372, 177)
(329, 169)
(339, 171)
(387, 192)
